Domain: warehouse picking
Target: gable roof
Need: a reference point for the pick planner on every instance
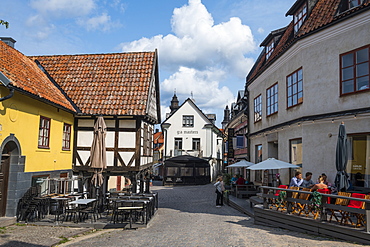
(190, 101)
(26, 77)
(324, 14)
(107, 84)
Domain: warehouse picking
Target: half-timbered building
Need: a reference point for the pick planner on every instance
(124, 89)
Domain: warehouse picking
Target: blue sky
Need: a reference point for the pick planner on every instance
(205, 48)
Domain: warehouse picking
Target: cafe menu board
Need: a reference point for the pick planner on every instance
(230, 149)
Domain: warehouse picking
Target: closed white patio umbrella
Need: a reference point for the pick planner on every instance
(272, 163)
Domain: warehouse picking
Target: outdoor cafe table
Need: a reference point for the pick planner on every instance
(60, 207)
(146, 202)
(130, 209)
(82, 201)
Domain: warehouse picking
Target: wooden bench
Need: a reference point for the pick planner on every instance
(253, 200)
(248, 190)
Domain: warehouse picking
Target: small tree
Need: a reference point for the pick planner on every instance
(5, 23)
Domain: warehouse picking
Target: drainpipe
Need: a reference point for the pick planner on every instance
(6, 82)
(9, 95)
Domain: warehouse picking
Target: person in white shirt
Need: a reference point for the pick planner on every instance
(297, 180)
(220, 188)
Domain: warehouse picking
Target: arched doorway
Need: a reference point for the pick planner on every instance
(10, 148)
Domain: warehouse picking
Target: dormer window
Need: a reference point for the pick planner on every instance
(299, 17)
(269, 49)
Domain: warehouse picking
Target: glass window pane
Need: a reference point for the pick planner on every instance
(362, 69)
(295, 100)
(289, 91)
(347, 86)
(294, 78)
(295, 89)
(362, 83)
(362, 55)
(299, 86)
(347, 73)
(347, 60)
(289, 81)
(300, 95)
(300, 75)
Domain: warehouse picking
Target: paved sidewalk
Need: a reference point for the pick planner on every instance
(187, 216)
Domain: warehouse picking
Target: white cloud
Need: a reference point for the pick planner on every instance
(198, 43)
(260, 30)
(63, 8)
(201, 56)
(102, 22)
(203, 84)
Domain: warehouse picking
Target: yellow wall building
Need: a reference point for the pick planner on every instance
(20, 115)
(36, 130)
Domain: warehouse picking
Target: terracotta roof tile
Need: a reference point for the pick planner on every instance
(25, 75)
(324, 13)
(109, 84)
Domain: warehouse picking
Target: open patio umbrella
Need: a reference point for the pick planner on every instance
(98, 153)
(240, 164)
(341, 158)
(272, 163)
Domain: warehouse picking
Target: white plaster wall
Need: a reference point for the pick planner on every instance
(319, 141)
(127, 139)
(127, 123)
(176, 130)
(318, 55)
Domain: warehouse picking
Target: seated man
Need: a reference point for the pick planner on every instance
(234, 179)
(240, 181)
(307, 182)
(297, 180)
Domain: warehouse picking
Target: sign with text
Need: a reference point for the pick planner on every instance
(230, 146)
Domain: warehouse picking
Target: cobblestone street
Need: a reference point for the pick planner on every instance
(187, 216)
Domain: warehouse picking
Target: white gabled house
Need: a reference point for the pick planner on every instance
(188, 131)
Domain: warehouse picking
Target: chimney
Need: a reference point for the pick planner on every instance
(8, 40)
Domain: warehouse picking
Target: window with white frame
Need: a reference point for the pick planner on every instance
(66, 143)
(272, 100)
(44, 132)
(269, 49)
(299, 17)
(187, 121)
(258, 108)
(239, 141)
(296, 151)
(196, 144)
(295, 88)
(355, 67)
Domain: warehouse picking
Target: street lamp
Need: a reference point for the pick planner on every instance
(165, 127)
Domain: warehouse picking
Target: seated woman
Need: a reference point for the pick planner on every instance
(320, 185)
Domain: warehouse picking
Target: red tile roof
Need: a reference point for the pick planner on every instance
(158, 138)
(108, 84)
(26, 76)
(324, 13)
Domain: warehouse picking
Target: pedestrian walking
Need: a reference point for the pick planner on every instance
(220, 188)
